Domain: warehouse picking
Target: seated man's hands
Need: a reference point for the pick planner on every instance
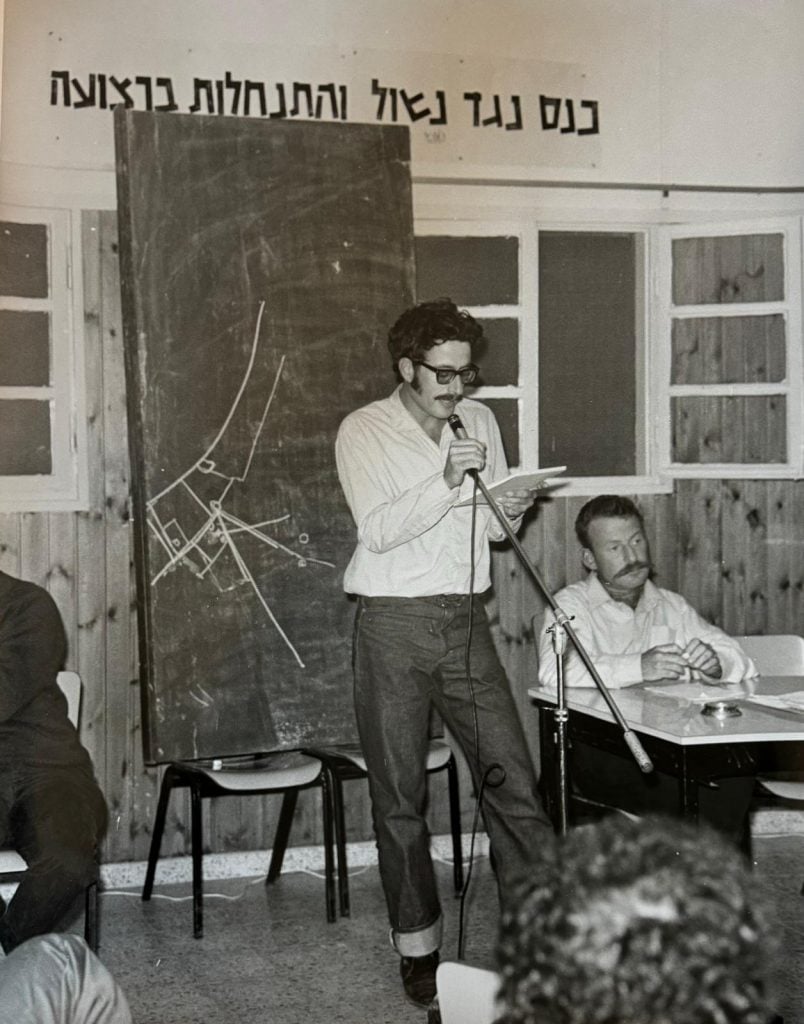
(702, 658)
(669, 661)
(665, 661)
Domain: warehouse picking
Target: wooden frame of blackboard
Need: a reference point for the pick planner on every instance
(240, 236)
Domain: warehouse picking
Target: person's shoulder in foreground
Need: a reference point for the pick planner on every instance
(655, 921)
(57, 979)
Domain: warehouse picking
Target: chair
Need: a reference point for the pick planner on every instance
(467, 995)
(286, 772)
(13, 866)
(778, 655)
(775, 655)
(346, 761)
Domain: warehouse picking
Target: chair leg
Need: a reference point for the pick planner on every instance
(329, 866)
(91, 917)
(156, 835)
(286, 813)
(196, 840)
(340, 842)
(455, 825)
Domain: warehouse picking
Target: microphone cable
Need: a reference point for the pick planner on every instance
(484, 777)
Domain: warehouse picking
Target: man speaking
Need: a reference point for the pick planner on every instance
(420, 640)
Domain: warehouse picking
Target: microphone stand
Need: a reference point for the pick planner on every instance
(560, 631)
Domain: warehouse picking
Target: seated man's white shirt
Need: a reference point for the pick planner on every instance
(616, 636)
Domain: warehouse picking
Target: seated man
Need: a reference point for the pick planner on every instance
(635, 631)
(57, 979)
(51, 809)
(650, 922)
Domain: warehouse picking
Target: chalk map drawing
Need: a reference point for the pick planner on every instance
(219, 529)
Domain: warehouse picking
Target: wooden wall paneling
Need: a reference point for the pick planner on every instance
(510, 584)
(660, 523)
(699, 551)
(117, 610)
(780, 531)
(34, 548)
(574, 569)
(743, 561)
(63, 571)
(538, 542)
(763, 592)
(90, 655)
(10, 543)
(531, 607)
(795, 541)
(248, 823)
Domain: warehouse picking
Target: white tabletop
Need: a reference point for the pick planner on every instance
(672, 711)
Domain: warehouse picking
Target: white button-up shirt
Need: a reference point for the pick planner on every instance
(616, 636)
(412, 540)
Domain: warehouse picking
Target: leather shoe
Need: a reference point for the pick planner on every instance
(419, 978)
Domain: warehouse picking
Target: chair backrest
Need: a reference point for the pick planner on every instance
(70, 686)
(467, 995)
(780, 654)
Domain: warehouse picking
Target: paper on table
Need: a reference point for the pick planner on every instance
(699, 692)
(784, 702)
(528, 481)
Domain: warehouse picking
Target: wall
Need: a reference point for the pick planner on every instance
(690, 91)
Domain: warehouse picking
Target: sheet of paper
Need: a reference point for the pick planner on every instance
(784, 702)
(527, 481)
(699, 692)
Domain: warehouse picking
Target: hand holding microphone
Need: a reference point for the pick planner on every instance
(513, 503)
(466, 454)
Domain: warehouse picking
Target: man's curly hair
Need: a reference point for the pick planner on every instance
(649, 922)
(422, 327)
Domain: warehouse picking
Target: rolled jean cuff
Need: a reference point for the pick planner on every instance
(419, 942)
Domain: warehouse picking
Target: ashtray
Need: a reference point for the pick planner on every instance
(721, 709)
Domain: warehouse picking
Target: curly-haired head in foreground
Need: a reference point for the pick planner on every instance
(648, 922)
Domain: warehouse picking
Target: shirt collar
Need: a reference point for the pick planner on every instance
(403, 418)
(598, 595)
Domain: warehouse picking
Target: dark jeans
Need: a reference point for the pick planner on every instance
(409, 655)
(55, 819)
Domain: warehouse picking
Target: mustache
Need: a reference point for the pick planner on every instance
(632, 567)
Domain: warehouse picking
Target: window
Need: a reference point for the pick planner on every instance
(40, 423)
(729, 322)
(630, 385)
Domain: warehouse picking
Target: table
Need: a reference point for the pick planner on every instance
(678, 738)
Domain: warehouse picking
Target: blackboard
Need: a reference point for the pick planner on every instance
(261, 265)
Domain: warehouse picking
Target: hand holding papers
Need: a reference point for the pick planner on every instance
(524, 481)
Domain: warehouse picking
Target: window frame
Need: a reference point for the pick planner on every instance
(653, 355)
(65, 488)
(789, 307)
(526, 227)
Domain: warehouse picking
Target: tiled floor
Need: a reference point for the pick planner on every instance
(269, 955)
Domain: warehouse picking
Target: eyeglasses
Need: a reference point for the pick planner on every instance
(446, 375)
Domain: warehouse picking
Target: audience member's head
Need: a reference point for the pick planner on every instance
(650, 922)
(604, 506)
(613, 542)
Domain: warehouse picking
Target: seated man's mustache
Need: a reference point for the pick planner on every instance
(632, 567)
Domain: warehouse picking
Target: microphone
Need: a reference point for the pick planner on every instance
(459, 430)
